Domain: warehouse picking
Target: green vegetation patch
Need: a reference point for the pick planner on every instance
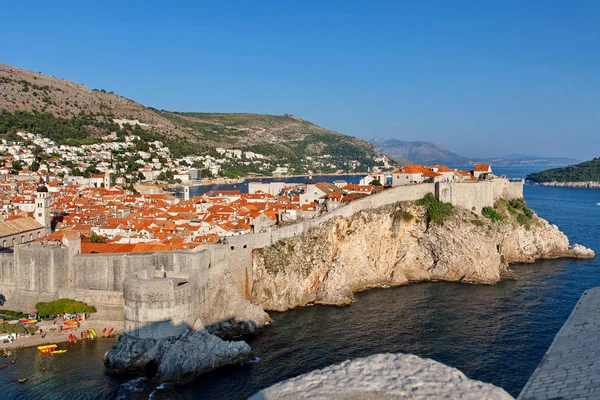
(477, 222)
(16, 328)
(492, 214)
(437, 210)
(13, 314)
(63, 306)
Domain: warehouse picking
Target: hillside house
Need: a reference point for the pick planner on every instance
(481, 169)
(409, 174)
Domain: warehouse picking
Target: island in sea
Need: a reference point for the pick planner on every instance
(583, 175)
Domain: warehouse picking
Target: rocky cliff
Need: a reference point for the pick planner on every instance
(397, 244)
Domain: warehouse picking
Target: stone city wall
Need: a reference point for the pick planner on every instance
(7, 268)
(41, 268)
(45, 272)
(107, 271)
(157, 307)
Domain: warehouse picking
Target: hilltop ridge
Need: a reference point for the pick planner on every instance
(70, 112)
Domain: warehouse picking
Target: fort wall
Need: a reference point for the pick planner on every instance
(7, 268)
(157, 307)
(113, 282)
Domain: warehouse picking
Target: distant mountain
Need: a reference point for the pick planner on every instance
(588, 171)
(418, 152)
(520, 159)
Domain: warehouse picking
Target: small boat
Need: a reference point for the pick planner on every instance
(103, 332)
(22, 380)
(47, 348)
(58, 352)
(3, 365)
(93, 332)
(71, 322)
(28, 321)
(110, 332)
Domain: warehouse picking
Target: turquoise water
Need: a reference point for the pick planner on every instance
(496, 334)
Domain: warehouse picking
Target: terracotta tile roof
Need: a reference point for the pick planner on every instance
(17, 225)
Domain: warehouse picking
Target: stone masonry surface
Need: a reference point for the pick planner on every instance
(570, 368)
(384, 376)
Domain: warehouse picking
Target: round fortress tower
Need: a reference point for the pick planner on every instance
(156, 306)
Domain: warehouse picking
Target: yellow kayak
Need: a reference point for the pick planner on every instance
(47, 349)
(58, 351)
(93, 332)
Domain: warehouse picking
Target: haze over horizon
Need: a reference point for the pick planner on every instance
(481, 79)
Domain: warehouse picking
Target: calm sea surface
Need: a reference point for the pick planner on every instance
(496, 334)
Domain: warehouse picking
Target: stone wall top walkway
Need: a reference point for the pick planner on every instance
(384, 376)
(570, 368)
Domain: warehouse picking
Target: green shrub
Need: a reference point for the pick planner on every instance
(492, 214)
(519, 203)
(402, 215)
(477, 222)
(437, 211)
(522, 219)
(63, 306)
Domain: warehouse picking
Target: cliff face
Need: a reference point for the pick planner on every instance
(395, 245)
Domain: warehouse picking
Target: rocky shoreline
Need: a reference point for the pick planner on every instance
(393, 245)
(378, 247)
(589, 185)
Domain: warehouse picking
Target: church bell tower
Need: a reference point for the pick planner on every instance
(42, 207)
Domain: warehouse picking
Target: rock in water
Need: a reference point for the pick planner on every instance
(174, 359)
(384, 376)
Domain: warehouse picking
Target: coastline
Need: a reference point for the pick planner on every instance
(62, 336)
(233, 181)
(585, 185)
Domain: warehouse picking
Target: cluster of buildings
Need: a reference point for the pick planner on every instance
(110, 216)
(114, 219)
(411, 174)
(36, 157)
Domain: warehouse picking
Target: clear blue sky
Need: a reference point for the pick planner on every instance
(483, 78)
